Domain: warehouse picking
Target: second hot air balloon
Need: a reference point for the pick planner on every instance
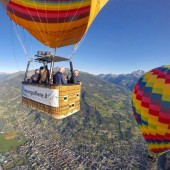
(151, 108)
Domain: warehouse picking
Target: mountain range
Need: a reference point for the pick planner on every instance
(125, 80)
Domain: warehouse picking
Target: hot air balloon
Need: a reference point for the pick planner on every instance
(151, 108)
(55, 23)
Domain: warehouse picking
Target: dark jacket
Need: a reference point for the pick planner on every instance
(35, 78)
(75, 79)
(59, 78)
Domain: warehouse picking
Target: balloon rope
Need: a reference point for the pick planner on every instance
(37, 27)
(39, 31)
(62, 35)
(45, 38)
(78, 45)
(47, 21)
(15, 55)
(19, 39)
(57, 18)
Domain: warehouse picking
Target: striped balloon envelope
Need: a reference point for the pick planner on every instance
(55, 23)
(151, 108)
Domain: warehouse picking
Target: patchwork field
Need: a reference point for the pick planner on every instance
(10, 140)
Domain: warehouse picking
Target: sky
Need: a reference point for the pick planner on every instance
(126, 36)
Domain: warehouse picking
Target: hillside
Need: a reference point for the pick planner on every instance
(3, 75)
(125, 80)
(7, 76)
(103, 134)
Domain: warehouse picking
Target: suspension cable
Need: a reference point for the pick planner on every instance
(19, 39)
(78, 45)
(15, 55)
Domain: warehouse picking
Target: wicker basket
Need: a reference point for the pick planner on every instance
(69, 100)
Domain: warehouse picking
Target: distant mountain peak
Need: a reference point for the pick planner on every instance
(125, 80)
(138, 72)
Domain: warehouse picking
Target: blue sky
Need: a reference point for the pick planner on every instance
(126, 36)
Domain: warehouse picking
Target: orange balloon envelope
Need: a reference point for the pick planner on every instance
(55, 23)
(151, 108)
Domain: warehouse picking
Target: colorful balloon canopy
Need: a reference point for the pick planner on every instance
(151, 108)
(55, 23)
